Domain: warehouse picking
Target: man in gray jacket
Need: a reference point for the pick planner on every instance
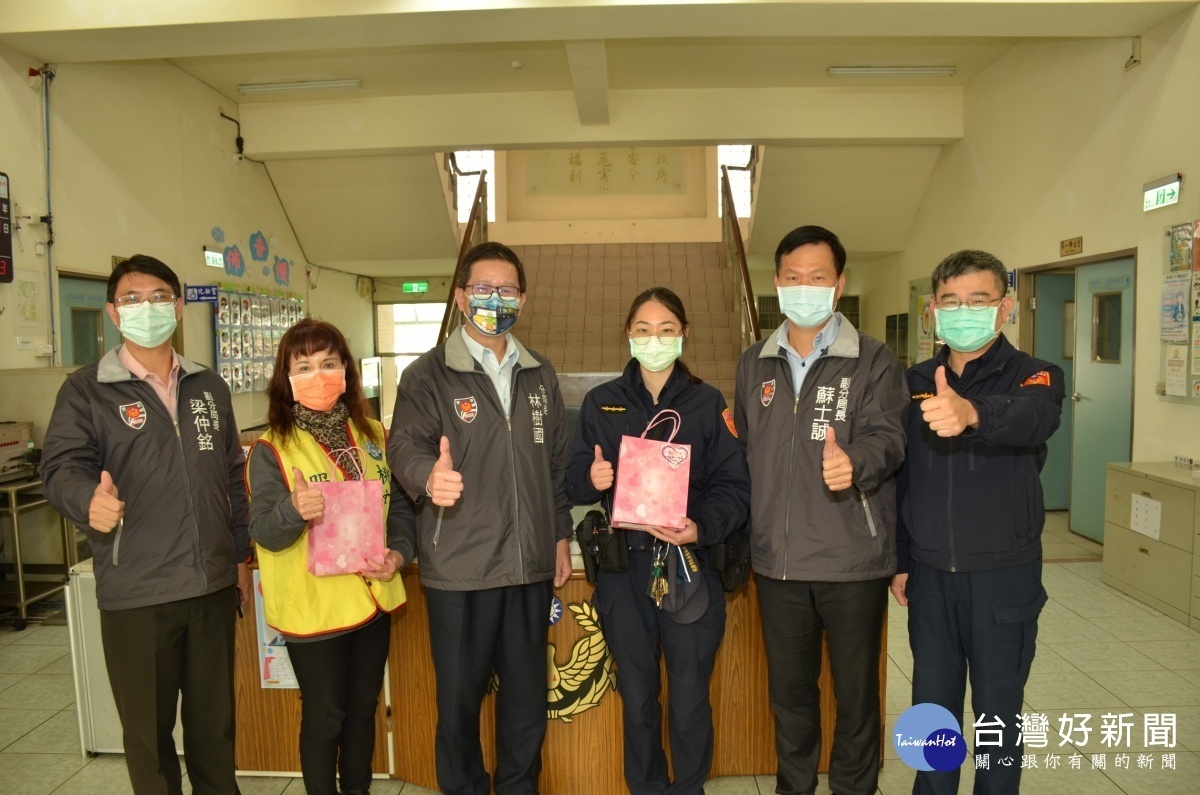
(479, 439)
(142, 452)
(820, 411)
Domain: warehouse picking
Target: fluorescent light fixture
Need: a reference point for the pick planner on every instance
(307, 85)
(892, 71)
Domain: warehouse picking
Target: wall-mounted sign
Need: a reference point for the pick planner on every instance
(1068, 247)
(6, 252)
(200, 293)
(214, 259)
(1161, 192)
(415, 287)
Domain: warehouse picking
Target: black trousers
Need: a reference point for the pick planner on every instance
(471, 634)
(153, 654)
(340, 680)
(982, 624)
(639, 634)
(850, 614)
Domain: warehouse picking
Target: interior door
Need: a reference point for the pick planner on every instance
(1054, 341)
(1103, 393)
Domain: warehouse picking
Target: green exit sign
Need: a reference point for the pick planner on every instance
(1161, 192)
(416, 287)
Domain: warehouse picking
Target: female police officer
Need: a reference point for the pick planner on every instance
(691, 622)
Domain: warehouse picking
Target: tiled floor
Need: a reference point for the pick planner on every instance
(1098, 651)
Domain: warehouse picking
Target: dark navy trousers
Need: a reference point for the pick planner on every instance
(472, 634)
(795, 617)
(981, 624)
(639, 635)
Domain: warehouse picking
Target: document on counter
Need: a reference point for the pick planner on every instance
(274, 663)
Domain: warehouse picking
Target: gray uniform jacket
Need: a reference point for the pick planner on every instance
(800, 530)
(514, 506)
(186, 516)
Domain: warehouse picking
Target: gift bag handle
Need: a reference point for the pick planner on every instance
(340, 456)
(663, 416)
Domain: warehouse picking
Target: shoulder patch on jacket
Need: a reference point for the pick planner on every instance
(727, 415)
(612, 408)
(1040, 378)
(923, 395)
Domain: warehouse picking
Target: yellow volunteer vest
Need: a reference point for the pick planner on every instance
(295, 601)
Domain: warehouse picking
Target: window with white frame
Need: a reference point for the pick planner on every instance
(475, 160)
(737, 156)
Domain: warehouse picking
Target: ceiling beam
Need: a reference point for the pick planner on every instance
(65, 31)
(550, 119)
(589, 78)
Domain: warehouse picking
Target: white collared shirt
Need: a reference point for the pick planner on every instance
(500, 371)
(821, 343)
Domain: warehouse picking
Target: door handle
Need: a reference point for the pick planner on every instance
(1075, 396)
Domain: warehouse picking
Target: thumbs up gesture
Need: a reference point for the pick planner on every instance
(946, 412)
(445, 485)
(308, 501)
(836, 467)
(601, 472)
(105, 509)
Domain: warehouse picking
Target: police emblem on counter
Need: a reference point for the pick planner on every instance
(588, 675)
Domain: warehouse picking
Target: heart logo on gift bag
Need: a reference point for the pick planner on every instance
(674, 455)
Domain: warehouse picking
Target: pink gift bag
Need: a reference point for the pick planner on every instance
(350, 528)
(652, 479)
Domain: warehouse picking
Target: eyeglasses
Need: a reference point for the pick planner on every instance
(133, 299)
(952, 303)
(487, 291)
(643, 336)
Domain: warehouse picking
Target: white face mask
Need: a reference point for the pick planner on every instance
(656, 353)
(806, 306)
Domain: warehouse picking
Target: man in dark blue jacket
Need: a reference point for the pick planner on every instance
(969, 543)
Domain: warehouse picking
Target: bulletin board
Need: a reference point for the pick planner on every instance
(249, 326)
(1179, 315)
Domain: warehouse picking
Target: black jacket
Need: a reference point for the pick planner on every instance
(185, 497)
(514, 506)
(973, 502)
(800, 530)
(719, 490)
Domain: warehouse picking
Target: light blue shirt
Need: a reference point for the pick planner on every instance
(822, 342)
(501, 372)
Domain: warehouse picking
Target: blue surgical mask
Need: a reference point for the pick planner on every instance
(965, 329)
(493, 316)
(147, 324)
(806, 306)
(656, 353)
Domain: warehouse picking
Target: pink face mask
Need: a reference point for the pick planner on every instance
(318, 390)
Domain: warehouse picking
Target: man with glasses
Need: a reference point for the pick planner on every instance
(142, 452)
(820, 410)
(479, 439)
(971, 515)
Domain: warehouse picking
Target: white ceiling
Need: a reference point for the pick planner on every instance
(440, 62)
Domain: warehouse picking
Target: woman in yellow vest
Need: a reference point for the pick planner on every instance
(337, 627)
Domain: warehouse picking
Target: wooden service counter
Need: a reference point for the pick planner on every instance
(582, 752)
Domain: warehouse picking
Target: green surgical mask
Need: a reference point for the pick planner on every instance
(147, 324)
(656, 353)
(965, 329)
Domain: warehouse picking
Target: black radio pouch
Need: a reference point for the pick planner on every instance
(731, 559)
(602, 546)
